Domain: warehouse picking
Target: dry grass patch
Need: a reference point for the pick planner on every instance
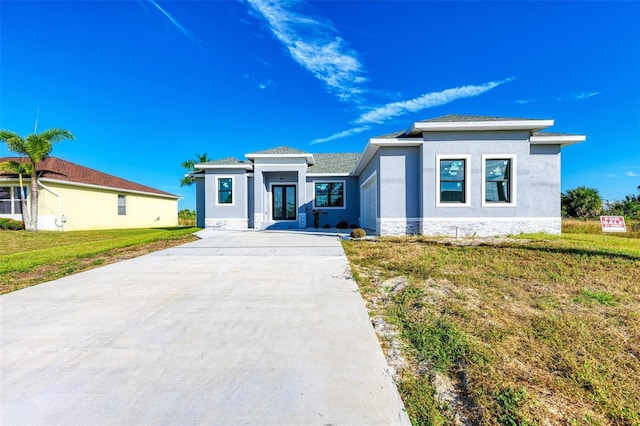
(542, 330)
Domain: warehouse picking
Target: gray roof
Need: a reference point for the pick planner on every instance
(334, 163)
(470, 118)
(279, 150)
(229, 161)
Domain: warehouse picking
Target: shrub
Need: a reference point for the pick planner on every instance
(343, 224)
(353, 226)
(358, 233)
(11, 224)
(326, 226)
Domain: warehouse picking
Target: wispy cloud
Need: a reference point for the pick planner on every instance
(315, 45)
(174, 21)
(570, 98)
(341, 135)
(428, 100)
(632, 174)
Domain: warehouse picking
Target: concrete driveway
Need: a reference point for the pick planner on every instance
(236, 328)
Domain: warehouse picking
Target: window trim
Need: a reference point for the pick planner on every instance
(512, 180)
(344, 194)
(467, 180)
(233, 191)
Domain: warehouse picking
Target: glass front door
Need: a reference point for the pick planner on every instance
(284, 202)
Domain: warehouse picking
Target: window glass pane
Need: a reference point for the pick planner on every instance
(322, 200)
(497, 169)
(497, 192)
(5, 193)
(322, 188)
(452, 192)
(451, 170)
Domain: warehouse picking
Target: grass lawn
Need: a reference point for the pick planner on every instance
(29, 258)
(536, 329)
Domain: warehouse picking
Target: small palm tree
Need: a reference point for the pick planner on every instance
(36, 147)
(188, 179)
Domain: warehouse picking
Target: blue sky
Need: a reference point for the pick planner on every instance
(145, 85)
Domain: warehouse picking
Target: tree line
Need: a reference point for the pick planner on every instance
(586, 203)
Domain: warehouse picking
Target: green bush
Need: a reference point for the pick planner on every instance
(10, 224)
(343, 224)
(358, 233)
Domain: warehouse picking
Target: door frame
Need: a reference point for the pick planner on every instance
(271, 200)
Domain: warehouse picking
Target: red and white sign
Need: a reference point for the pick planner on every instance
(612, 224)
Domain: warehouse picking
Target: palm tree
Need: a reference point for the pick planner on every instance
(188, 179)
(36, 147)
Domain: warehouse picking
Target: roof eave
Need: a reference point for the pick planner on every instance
(563, 140)
(533, 125)
(110, 188)
(203, 166)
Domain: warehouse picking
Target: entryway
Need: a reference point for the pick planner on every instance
(284, 202)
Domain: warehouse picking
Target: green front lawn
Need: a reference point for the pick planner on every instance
(29, 258)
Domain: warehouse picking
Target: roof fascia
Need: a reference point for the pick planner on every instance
(109, 188)
(563, 140)
(309, 157)
(451, 126)
(328, 174)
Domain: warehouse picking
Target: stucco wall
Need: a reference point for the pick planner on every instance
(332, 215)
(89, 208)
(238, 208)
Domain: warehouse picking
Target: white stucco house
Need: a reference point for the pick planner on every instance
(456, 175)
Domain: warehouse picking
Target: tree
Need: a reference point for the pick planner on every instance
(36, 147)
(190, 166)
(19, 168)
(581, 202)
(629, 207)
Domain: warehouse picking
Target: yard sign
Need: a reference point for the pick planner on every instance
(612, 224)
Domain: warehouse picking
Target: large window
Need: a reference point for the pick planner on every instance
(453, 180)
(329, 194)
(498, 180)
(225, 190)
(122, 205)
(10, 197)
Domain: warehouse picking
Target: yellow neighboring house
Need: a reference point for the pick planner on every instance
(73, 198)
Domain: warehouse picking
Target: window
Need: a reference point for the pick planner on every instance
(453, 180)
(10, 197)
(122, 205)
(225, 190)
(498, 180)
(329, 194)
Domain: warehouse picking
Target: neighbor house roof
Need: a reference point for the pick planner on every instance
(58, 170)
(334, 163)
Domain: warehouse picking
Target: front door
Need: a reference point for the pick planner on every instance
(284, 202)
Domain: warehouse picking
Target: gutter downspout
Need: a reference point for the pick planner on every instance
(60, 217)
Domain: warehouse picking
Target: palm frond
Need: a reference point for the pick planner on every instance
(15, 142)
